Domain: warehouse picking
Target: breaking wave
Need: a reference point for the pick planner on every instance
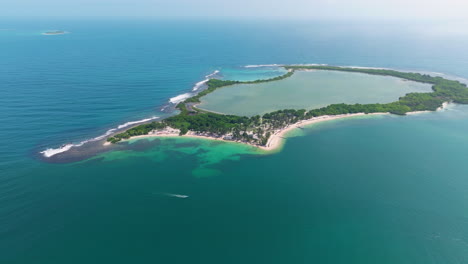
(281, 65)
(262, 65)
(198, 85)
(180, 98)
(54, 151)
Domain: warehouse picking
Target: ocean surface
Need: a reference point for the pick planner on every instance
(309, 90)
(381, 189)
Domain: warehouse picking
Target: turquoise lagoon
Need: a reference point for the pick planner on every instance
(309, 90)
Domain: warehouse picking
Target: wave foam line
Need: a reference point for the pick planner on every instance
(309, 64)
(369, 68)
(207, 78)
(66, 147)
(180, 98)
(262, 65)
(280, 65)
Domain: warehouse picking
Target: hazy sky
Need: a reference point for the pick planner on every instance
(384, 9)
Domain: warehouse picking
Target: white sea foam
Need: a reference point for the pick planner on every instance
(54, 151)
(308, 64)
(370, 68)
(51, 152)
(212, 74)
(262, 65)
(180, 98)
(174, 100)
(281, 65)
(136, 122)
(198, 85)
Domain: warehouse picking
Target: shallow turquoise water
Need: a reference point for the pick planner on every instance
(368, 190)
(362, 190)
(309, 90)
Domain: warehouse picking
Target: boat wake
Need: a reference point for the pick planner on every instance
(181, 196)
(175, 195)
(54, 151)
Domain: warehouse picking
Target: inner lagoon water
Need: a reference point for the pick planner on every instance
(309, 90)
(383, 189)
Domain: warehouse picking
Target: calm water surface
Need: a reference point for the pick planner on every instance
(309, 90)
(367, 190)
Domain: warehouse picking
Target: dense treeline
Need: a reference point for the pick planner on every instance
(258, 129)
(282, 118)
(444, 90)
(404, 75)
(214, 84)
(143, 129)
(215, 124)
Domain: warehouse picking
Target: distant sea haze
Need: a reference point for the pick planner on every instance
(383, 189)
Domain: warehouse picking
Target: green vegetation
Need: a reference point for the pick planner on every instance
(214, 84)
(447, 90)
(258, 129)
(143, 129)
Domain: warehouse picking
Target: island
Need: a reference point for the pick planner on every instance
(55, 32)
(266, 131)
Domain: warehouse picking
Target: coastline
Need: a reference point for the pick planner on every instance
(446, 90)
(275, 142)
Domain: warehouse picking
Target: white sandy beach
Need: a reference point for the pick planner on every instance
(276, 139)
(274, 142)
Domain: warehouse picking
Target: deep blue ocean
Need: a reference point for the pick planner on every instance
(372, 190)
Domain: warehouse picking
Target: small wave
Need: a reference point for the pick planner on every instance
(54, 151)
